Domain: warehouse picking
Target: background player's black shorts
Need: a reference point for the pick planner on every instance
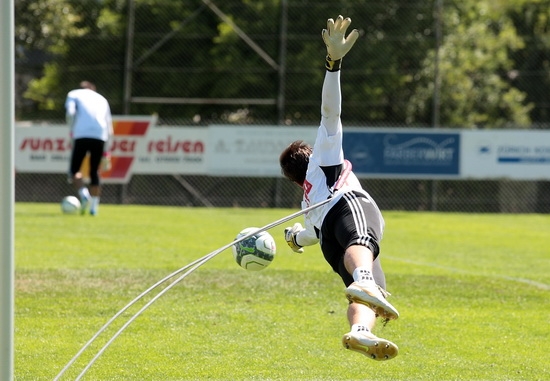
(80, 148)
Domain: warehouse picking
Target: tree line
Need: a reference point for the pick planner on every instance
(465, 64)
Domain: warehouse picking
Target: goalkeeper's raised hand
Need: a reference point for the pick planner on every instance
(290, 237)
(338, 45)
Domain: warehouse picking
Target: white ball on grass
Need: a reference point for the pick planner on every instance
(70, 205)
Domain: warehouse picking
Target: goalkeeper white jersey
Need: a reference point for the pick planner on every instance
(90, 114)
(327, 152)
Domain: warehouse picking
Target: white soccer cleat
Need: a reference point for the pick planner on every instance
(371, 295)
(367, 343)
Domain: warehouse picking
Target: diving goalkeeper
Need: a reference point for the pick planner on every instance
(350, 226)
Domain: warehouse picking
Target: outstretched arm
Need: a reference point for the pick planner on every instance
(331, 103)
(337, 47)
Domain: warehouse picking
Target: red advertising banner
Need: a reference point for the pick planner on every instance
(137, 147)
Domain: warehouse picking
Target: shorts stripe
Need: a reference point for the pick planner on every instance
(359, 218)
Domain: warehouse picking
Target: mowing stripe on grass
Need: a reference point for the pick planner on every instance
(530, 282)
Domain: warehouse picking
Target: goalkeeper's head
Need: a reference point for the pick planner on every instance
(294, 161)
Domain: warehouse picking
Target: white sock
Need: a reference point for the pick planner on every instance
(84, 192)
(95, 203)
(359, 328)
(362, 274)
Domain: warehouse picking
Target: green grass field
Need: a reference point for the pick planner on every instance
(473, 291)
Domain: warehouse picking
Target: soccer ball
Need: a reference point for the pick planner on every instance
(255, 252)
(70, 205)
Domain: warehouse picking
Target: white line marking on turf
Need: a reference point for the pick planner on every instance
(530, 282)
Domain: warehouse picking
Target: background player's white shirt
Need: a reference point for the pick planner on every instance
(90, 113)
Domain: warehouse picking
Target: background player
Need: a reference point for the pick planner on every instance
(89, 116)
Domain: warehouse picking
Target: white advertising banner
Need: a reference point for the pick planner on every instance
(42, 149)
(172, 150)
(252, 151)
(138, 147)
(517, 155)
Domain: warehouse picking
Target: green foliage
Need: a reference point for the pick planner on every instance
(45, 90)
(473, 64)
(472, 291)
(110, 22)
(185, 50)
(46, 25)
(64, 29)
(531, 18)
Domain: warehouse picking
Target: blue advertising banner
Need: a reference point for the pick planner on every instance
(403, 154)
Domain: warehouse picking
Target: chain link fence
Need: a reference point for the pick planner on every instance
(203, 62)
(206, 191)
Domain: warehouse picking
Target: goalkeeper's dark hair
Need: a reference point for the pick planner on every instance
(294, 161)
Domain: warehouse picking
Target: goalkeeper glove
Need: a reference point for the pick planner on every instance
(337, 43)
(290, 237)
